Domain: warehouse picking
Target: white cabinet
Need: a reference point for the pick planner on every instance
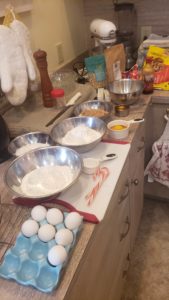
(136, 180)
(102, 270)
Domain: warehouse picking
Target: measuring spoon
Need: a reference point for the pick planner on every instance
(138, 120)
(90, 164)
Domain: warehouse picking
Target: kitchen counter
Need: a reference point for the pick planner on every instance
(13, 216)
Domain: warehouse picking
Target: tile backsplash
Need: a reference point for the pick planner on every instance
(147, 13)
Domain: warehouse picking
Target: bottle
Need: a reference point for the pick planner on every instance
(59, 96)
(46, 85)
(148, 76)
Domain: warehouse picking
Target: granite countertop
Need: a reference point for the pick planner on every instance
(14, 215)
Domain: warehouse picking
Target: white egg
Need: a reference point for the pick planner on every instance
(38, 213)
(64, 237)
(54, 216)
(46, 232)
(73, 220)
(57, 255)
(29, 228)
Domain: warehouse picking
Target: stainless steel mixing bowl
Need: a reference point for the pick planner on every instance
(50, 156)
(94, 108)
(61, 129)
(29, 138)
(126, 91)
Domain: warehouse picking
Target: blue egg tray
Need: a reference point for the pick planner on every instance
(26, 262)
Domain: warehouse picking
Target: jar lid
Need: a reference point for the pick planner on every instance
(56, 93)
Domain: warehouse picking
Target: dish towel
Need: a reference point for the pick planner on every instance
(158, 167)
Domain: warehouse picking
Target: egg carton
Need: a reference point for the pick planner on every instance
(26, 262)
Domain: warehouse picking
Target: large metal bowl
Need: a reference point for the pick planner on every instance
(59, 131)
(32, 139)
(126, 91)
(94, 108)
(50, 156)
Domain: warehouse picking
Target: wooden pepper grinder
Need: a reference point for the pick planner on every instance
(46, 85)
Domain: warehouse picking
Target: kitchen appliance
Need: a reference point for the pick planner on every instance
(104, 34)
(4, 140)
(126, 18)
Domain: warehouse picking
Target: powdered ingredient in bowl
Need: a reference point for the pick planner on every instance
(94, 113)
(35, 184)
(80, 135)
(22, 150)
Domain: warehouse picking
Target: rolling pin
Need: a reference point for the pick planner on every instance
(46, 85)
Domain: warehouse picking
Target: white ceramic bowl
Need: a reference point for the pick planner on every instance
(118, 134)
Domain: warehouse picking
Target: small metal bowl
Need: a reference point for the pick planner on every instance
(94, 108)
(126, 91)
(61, 129)
(49, 156)
(32, 139)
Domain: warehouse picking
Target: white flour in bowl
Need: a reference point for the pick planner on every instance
(80, 135)
(46, 180)
(22, 150)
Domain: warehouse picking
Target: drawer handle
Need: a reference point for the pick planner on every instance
(140, 148)
(125, 195)
(123, 235)
(135, 181)
(127, 263)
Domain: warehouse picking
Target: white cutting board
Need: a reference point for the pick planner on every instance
(75, 195)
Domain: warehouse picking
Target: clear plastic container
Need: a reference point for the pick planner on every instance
(65, 80)
(59, 97)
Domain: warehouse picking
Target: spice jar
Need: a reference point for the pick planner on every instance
(148, 76)
(59, 96)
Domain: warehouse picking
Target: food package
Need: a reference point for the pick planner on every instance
(160, 62)
(115, 62)
(96, 69)
(133, 73)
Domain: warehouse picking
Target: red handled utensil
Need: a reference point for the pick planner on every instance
(31, 202)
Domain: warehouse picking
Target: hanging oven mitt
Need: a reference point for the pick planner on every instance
(158, 167)
(13, 72)
(22, 33)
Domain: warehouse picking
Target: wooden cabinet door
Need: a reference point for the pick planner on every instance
(136, 181)
(96, 276)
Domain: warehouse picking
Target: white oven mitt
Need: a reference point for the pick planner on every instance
(13, 72)
(23, 36)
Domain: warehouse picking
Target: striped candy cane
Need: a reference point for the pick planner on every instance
(102, 173)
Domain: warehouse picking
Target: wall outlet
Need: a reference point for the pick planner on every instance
(60, 55)
(145, 32)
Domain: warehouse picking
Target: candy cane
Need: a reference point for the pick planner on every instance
(103, 173)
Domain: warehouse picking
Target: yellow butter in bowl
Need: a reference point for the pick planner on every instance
(118, 127)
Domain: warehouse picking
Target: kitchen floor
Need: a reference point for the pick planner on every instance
(148, 274)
